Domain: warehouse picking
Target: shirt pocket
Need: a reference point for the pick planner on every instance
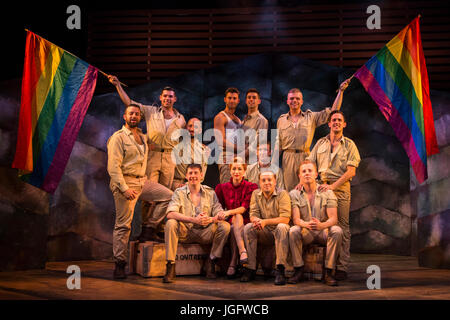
(343, 159)
(322, 158)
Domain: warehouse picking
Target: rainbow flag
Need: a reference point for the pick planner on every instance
(57, 88)
(397, 80)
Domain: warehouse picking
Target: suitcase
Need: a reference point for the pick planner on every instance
(148, 259)
(314, 259)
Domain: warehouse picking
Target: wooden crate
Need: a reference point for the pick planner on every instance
(148, 259)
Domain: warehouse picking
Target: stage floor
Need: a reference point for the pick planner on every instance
(401, 278)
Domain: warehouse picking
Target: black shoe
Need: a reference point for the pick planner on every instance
(248, 275)
(280, 279)
(340, 275)
(147, 234)
(329, 279)
(210, 268)
(119, 270)
(297, 276)
(170, 273)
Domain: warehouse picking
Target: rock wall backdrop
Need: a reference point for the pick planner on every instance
(76, 222)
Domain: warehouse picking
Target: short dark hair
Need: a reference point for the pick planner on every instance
(132, 105)
(231, 90)
(194, 166)
(333, 113)
(168, 88)
(252, 90)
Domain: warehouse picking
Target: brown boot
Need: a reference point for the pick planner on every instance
(119, 270)
(329, 279)
(210, 268)
(170, 273)
(297, 277)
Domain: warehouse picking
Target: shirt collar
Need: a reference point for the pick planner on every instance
(275, 193)
(341, 139)
(128, 131)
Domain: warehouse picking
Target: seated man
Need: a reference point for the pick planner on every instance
(195, 216)
(315, 220)
(264, 163)
(270, 212)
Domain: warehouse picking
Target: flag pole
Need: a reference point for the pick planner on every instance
(104, 73)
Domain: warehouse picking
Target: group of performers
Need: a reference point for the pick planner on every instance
(305, 201)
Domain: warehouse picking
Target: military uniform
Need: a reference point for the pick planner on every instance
(278, 205)
(331, 166)
(160, 167)
(294, 140)
(198, 151)
(127, 162)
(298, 236)
(253, 171)
(215, 233)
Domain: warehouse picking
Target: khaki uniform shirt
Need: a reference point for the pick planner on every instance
(253, 171)
(199, 151)
(125, 157)
(332, 166)
(322, 201)
(300, 137)
(255, 121)
(182, 203)
(160, 136)
(278, 205)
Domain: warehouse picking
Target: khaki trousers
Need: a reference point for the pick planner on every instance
(124, 217)
(278, 236)
(331, 237)
(343, 195)
(160, 168)
(290, 163)
(224, 173)
(176, 183)
(215, 234)
(159, 195)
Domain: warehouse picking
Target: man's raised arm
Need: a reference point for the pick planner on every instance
(123, 95)
(338, 101)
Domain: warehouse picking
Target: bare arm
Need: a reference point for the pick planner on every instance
(297, 220)
(332, 220)
(122, 94)
(338, 101)
(219, 124)
(350, 173)
(275, 221)
(200, 219)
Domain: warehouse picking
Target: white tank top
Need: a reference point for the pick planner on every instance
(231, 129)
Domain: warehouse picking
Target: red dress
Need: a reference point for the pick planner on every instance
(231, 197)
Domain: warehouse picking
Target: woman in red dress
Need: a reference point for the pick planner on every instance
(234, 196)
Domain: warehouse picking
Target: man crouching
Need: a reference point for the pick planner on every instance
(314, 215)
(194, 216)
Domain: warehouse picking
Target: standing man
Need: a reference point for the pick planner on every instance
(337, 158)
(270, 212)
(296, 131)
(199, 153)
(228, 124)
(264, 164)
(161, 122)
(315, 220)
(127, 162)
(195, 216)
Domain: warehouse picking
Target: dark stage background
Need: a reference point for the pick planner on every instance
(201, 50)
